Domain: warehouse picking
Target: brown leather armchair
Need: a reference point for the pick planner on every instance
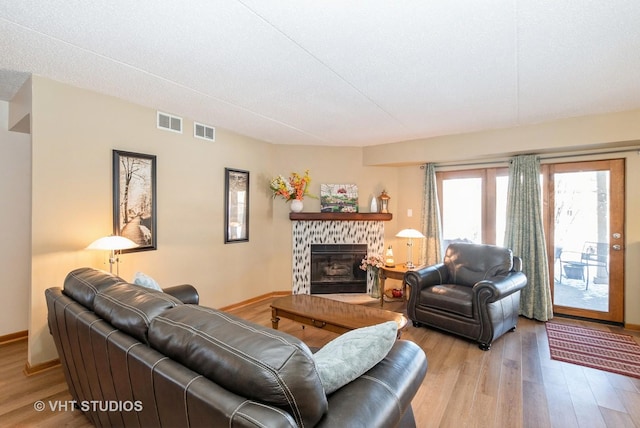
(475, 293)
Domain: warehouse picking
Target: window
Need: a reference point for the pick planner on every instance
(473, 204)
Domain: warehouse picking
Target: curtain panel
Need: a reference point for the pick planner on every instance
(431, 226)
(525, 236)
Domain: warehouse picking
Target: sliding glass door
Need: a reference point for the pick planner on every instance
(586, 222)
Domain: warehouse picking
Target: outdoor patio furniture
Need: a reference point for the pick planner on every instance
(574, 264)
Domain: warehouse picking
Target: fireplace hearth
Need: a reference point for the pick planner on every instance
(335, 268)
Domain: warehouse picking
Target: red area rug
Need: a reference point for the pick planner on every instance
(602, 350)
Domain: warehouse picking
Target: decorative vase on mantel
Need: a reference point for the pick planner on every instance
(375, 283)
(296, 205)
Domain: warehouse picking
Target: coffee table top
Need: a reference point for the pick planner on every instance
(347, 315)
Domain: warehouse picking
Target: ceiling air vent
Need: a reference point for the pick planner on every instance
(169, 122)
(203, 131)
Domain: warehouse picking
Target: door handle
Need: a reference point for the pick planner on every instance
(617, 247)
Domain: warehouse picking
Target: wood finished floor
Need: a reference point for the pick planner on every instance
(515, 384)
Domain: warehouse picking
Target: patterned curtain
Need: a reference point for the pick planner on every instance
(525, 236)
(431, 225)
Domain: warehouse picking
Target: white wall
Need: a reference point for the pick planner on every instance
(15, 244)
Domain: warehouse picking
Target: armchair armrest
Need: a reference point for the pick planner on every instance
(426, 277)
(500, 287)
(417, 280)
(185, 293)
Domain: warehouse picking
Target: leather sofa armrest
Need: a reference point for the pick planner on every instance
(186, 293)
(384, 393)
(500, 288)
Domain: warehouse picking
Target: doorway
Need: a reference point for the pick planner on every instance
(585, 217)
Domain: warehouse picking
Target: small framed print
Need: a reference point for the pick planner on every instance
(134, 199)
(236, 205)
(339, 198)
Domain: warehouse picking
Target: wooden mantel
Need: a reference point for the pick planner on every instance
(341, 216)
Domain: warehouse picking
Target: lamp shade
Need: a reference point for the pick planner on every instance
(113, 242)
(409, 233)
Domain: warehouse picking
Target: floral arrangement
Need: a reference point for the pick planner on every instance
(293, 187)
(372, 260)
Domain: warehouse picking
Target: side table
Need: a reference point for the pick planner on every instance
(396, 272)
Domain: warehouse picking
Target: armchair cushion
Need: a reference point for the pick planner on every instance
(457, 299)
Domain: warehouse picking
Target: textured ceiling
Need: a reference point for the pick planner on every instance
(336, 72)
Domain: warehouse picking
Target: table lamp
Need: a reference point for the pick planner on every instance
(388, 258)
(410, 234)
(112, 243)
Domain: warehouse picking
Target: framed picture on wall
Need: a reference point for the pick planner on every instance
(134, 199)
(339, 198)
(236, 205)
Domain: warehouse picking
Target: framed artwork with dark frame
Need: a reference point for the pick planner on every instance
(134, 199)
(236, 205)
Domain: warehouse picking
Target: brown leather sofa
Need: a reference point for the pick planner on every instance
(474, 293)
(139, 357)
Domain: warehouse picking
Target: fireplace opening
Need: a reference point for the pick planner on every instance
(335, 268)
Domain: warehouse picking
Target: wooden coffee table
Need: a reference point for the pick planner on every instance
(332, 315)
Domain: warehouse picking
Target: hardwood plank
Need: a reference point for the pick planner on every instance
(585, 406)
(561, 411)
(458, 410)
(489, 384)
(535, 412)
(606, 396)
(617, 419)
(531, 370)
(509, 406)
(483, 411)
(631, 401)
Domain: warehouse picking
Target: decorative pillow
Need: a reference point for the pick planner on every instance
(146, 281)
(352, 354)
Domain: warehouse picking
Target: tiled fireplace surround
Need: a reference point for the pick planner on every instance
(306, 233)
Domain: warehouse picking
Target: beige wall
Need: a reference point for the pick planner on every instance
(15, 245)
(632, 240)
(74, 132)
(581, 133)
(329, 165)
